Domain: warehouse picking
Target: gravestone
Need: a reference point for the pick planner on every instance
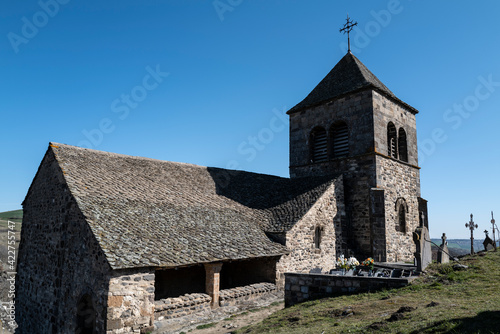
(335, 272)
(315, 271)
(423, 254)
(443, 253)
(397, 273)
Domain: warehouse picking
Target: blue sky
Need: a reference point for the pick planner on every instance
(208, 82)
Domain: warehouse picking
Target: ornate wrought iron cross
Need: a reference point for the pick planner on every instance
(471, 226)
(347, 29)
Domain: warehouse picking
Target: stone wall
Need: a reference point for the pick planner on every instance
(399, 181)
(131, 301)
(356, 110)
(359, 174)
(243, 294)
(304, 256)
(64, 283)
(185, 313)
(302, 287)
(385, 111)
(189, 304)
(377, 223)
(62, 274)
(169, 308)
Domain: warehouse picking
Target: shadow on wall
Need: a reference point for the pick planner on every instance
(259, 191)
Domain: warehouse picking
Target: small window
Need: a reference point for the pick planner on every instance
(319, 150)
(317, 237)
(392, 141)
(340, 140)
(402, 219)
(402, 147)
(402, 210)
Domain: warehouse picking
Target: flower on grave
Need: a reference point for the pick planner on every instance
(353, 263)
(341, 262)
(346, 264)
(369, 262)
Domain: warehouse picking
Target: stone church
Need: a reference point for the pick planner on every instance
(111, 243)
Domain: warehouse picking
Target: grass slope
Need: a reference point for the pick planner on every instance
(16, 215)
(13, 216)
(443, 300)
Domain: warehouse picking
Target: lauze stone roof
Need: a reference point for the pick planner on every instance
(146, 212)
(349, 75)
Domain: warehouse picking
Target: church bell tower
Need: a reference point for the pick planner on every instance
(352, 124)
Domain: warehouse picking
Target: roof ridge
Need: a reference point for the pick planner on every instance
(180, 164)
(59, 145)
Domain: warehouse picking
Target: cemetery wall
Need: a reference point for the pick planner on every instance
(303, 287)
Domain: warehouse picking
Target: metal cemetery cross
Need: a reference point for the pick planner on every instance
(493, 230)
(471, 226)
(347, 29)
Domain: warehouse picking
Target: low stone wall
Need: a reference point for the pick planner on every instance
(169, 308)
(189, 322)
(302, 287)
(235, 296)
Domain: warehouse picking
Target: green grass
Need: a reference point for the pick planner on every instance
(212, 324)
(12, 215)
(15, 216)
(441, 301)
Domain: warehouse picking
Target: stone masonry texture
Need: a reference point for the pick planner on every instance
(325, 214)
(367, 231)
(62, 261)
(302, 287)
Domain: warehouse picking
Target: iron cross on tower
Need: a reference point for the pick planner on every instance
(347, 29)
(471, 226)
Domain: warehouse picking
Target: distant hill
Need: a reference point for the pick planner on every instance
(459, 247)
(14, 216)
